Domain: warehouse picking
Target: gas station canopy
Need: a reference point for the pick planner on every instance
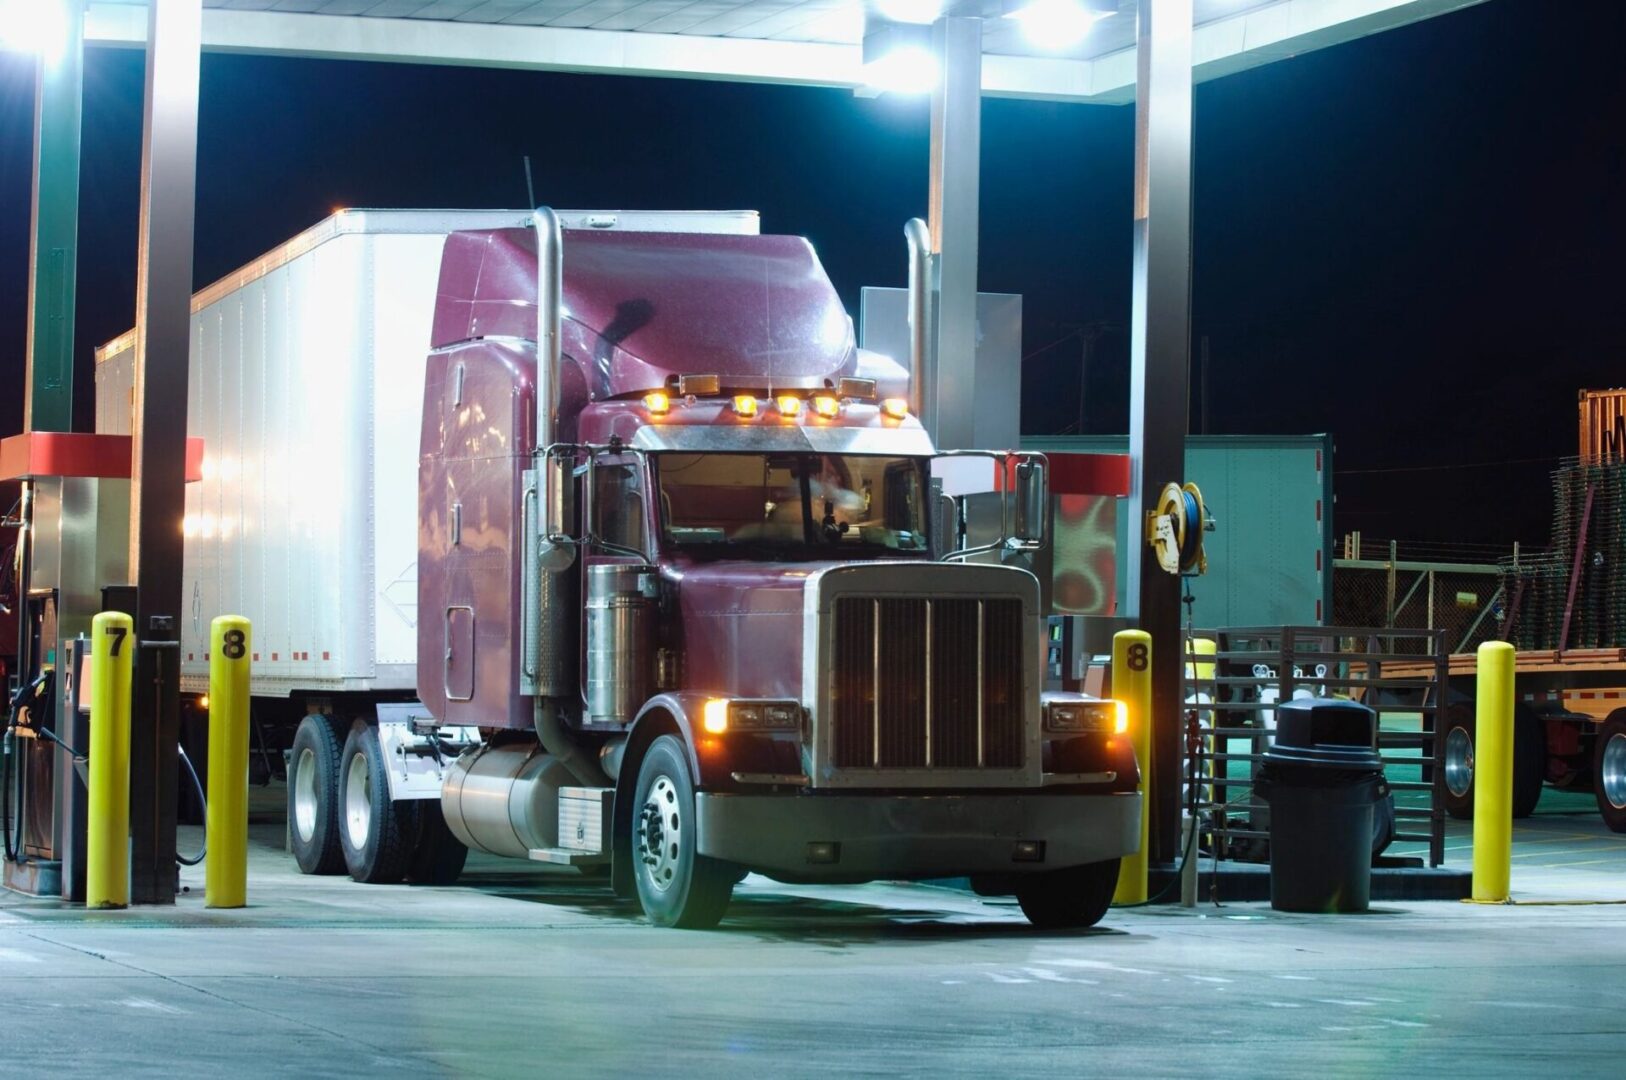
(800, 42)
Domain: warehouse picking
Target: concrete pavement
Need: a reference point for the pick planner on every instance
(528, 971)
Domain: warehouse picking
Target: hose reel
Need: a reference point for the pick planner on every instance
(1175, 529)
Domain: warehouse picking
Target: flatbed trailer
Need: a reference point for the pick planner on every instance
(1569, 727)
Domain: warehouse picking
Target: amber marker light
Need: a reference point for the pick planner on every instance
(715, 715)
(658, 402)
(827, 406)
(789, 406)
(745, 405)
(1120, 724)
(895, 407)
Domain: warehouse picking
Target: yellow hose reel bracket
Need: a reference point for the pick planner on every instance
(1175, 529)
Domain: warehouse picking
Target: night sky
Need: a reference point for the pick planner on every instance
(1412, 241)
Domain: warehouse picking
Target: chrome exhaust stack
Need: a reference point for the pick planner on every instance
(922, 361)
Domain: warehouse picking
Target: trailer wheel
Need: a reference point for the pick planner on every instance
(438, 856)
(313, 796)
(1068, 899)
(1610, 771)
(1529, 760)
(677, 885)
(375, 833)
(1458, 779)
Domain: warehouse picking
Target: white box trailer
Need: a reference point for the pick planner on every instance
(306, 386)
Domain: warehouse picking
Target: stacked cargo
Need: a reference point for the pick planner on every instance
(1589, 497)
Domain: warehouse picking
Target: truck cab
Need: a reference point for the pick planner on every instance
(682, 564)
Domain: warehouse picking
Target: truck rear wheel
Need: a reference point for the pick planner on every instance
(1610, 772)
(677, 885)
(1068, 899)
(1529, 760)
(375, 833)
(313, 796)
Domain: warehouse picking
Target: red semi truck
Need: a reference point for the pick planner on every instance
(689, 602)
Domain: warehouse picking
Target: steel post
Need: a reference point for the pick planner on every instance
(158, 466)
(54, 242)
(956, 163)
(1160, 349)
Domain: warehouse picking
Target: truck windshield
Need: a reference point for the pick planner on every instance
(778, 504)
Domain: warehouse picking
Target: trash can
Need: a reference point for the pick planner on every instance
(1322, 778)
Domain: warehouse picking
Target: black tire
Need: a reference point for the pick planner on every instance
(1529, 761)
(1609, 771)
(376, 834)
(438, 856)
(313, 808)
(1068, 899)
(677, 886)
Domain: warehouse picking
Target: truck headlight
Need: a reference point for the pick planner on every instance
(1080, 717)
(725, 714)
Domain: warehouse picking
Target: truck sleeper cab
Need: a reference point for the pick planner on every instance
(682, 610)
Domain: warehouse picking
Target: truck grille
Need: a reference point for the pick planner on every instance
(923, 683)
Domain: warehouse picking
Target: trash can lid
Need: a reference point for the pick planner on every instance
(1325, 733)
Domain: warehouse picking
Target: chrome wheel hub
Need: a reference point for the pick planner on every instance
(358, 801)
(1612, 771)
(1459, 762)
(305, 795)
(660, 833)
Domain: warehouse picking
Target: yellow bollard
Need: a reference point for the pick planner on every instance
(1132, 685)
(225, 871)
(107, 840)
(1493, 773)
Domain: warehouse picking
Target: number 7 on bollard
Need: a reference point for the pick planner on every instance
(107, 838)
(225, 872)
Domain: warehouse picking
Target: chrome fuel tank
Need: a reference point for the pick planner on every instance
(621, 600)
(505, 799)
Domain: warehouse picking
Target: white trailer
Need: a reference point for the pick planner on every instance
(306, 385)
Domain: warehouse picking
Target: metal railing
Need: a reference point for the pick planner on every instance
(1254, 668)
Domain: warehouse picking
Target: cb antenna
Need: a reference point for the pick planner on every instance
(530, 192)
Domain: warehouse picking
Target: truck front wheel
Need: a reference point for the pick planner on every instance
(677, 885)
(1068, 899)
(1610, 772)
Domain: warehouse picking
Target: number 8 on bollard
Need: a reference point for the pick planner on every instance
(225, 873)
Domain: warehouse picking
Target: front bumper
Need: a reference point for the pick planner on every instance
(914, 836)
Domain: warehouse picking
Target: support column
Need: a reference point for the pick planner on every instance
(54, 243)
(1160, 347)
(956, 165)
(158, 468)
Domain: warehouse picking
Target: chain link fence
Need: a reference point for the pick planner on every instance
(1419, 586)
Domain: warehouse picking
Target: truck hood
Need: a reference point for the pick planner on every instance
(741, 625)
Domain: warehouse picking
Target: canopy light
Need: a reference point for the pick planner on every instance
(898, 59)
(1058, 24)
(658, 402)
(34, 26)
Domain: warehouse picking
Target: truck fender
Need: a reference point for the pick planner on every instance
(664, 714)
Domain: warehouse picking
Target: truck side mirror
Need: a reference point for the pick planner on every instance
(1032, 496)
